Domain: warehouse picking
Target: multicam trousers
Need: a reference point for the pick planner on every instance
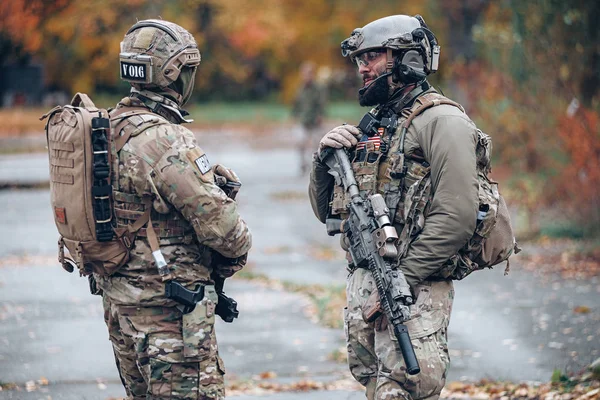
(164, 354)
(374, 355)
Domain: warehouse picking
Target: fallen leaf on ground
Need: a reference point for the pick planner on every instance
(267, 375)
(581, 310)
(288, 195)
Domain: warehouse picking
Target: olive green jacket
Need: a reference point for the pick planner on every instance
(309, 104)
(446, 138)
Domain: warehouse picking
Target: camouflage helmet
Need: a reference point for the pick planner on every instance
(153, 55)
(410, 35)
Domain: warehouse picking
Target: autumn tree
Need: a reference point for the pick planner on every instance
(249, 49)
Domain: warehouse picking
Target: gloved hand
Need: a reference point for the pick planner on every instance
(341, 136)
(226, 267)
(227, 180)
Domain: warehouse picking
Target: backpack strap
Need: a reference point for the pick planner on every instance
(82, 100)
(421, 104)
(122, 115)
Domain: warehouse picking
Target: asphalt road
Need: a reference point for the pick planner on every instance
(517, 328)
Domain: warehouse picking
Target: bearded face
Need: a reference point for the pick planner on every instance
(371, 65)
(375, 93)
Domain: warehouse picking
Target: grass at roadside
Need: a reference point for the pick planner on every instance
(25, 121)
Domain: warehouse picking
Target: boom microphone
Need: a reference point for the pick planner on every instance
(362, 90)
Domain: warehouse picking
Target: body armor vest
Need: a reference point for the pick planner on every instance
(171, 228)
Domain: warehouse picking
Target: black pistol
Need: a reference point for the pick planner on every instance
(188, 298)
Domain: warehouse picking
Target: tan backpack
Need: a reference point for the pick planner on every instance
(82, 155)
(493, 240)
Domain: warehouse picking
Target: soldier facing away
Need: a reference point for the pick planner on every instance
(162, 349)
(394, 55)
(309, 109)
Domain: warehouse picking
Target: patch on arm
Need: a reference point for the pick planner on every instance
(200, 161)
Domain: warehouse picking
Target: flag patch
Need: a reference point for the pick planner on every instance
(376, 140)
(203, 164)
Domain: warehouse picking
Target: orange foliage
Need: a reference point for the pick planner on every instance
(579, 181)
(521, 126)
(21, 21)
(240, 40)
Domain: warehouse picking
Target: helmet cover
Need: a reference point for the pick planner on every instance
(154, 53)
(396, 32)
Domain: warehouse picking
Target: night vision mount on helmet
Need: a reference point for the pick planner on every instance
(160, 54)
(412, 49)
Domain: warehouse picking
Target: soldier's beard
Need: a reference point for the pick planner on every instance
(376, 93)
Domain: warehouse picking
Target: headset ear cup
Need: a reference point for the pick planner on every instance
(408, 68)
(413, 59)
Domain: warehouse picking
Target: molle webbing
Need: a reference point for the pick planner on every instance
(61, 161)
(100, 137)
(102, 188)
(130, 208)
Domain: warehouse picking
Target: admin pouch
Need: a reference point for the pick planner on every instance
(82, 155)
(493, 240)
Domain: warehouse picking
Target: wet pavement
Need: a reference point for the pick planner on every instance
(517, 328)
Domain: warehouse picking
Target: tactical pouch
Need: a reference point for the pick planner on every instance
(102, 258)
(198, 326)
(480, 253)
(365, 173)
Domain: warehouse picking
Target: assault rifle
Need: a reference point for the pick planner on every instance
(371, 239)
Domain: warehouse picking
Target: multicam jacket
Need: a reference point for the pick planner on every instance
(192, 216)
(441, 142)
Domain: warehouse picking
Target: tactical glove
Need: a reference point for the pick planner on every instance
(341, 136)
(227, 180)
(225, 267)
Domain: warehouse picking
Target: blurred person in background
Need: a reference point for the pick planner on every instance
(165, 348)
(436, 160)
(309, 111)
